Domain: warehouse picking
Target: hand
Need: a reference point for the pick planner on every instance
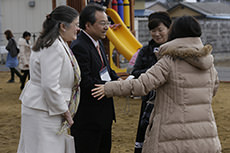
(115, 26)
(68, 118)
(99, 91)
(119, 79)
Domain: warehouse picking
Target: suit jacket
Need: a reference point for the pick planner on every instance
(92, 114)
(51, 80)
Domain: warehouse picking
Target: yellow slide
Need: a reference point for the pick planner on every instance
(121, 37)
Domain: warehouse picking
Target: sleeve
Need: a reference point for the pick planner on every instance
(216, 82)
(9, 45)
(113, 74)
(51, 65)
(155, 77)
(138, 66)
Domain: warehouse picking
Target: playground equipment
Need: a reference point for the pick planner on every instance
(126, 13)
(121, 38)
(120, 9)
(114, 5)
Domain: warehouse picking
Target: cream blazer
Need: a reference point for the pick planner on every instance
(24, 54)
(51, 79)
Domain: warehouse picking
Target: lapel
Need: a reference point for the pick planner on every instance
(73, 62)
(93, 49)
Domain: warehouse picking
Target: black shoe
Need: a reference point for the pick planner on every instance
(10, 81)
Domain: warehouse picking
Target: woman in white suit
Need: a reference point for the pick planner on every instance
(54, 76)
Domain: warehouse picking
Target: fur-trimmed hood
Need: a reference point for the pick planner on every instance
(189, 49)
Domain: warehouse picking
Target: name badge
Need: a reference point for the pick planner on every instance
(104, 74)
(155, 49)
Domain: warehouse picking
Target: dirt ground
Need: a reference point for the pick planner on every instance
(124, 130)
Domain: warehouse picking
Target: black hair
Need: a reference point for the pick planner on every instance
(25, 34)
(62, 14)
(156, 18)
(185, 26)
(88, 14)
(8, 34)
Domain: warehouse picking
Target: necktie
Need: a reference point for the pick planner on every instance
(99, 52)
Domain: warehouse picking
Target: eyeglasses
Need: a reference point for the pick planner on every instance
(104, 23)
(77, 25)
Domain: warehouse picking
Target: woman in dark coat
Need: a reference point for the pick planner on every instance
(11, 60)
(159, 23)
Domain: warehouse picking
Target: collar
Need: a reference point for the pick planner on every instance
(63, 42)
(94, 41)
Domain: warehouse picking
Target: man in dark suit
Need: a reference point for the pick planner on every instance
(93, 121)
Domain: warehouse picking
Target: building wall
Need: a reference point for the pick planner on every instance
(142, 31)
(18, 16)
(215, 32)
(139, 5)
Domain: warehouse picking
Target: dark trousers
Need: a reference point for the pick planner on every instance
(140, 131)
(92, 141)
(26, 73)
(146, 110)
(14, 71)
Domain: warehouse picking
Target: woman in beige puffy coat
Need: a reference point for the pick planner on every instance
(24, 57)
(186, 81)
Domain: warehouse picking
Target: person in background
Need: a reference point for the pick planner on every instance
(54, 79)
(93, 121)
(24, 57)
(185, 80)
(158, 24)
(12, 60)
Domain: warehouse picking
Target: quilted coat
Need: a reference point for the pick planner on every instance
(186, 81)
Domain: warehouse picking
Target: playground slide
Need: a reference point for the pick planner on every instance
(121, 37)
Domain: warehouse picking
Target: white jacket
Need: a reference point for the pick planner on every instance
(24, 54)
(51, 79)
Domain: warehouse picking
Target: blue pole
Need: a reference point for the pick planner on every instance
(120, 9)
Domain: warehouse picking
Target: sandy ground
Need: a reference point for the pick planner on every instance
(124, 130)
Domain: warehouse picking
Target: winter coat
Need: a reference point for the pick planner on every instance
(24, 54)
(145, 59)
(186, 81)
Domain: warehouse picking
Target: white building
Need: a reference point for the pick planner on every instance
(23, 15)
